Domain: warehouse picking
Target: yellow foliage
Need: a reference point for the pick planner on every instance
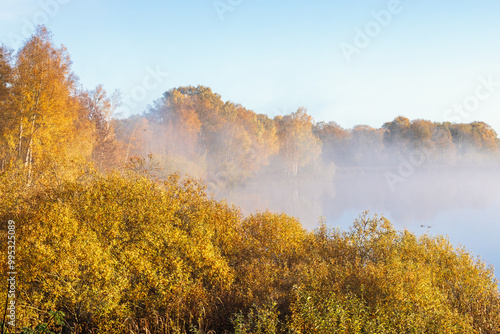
(122, 252)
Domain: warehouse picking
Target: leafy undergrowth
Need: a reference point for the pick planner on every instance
(122, 253)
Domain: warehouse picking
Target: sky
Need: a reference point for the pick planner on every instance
(352, 62)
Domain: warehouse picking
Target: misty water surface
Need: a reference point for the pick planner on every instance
(463, 203)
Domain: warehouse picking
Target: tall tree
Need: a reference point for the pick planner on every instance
(5, 73)
(463, 138)
(443, 142)
(397, 133)
(46, 109)
(176, 115)
(334, 140)
(5, 102)
(420, 134)
(298, 145)
(367, 143)
(485, 135)
(99, 108)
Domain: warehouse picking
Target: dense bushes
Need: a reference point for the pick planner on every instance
(125, 253)
(373, 279)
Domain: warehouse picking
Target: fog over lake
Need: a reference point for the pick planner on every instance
(461, 202)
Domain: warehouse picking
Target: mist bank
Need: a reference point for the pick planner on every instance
(427, 192)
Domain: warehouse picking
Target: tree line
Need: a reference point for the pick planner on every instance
(49, 122)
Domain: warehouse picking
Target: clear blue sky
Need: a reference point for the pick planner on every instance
(274, 56)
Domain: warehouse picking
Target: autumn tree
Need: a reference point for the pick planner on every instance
(397, 133)
(47, 129)
(298, 145)
(273, 252)
(178, 123)
(99, 108)
(5, 72)
(5, 103)
(246, 142)
(442, 139)
(194, 124)
(420, 134)
(335, 142)
(486, 136)
(463, 138)
(366, 144)
(133, 136)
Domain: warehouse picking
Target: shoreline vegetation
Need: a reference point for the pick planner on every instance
(116, 230)
(123, 252)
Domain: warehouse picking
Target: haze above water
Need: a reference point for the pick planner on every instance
(463, 203)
